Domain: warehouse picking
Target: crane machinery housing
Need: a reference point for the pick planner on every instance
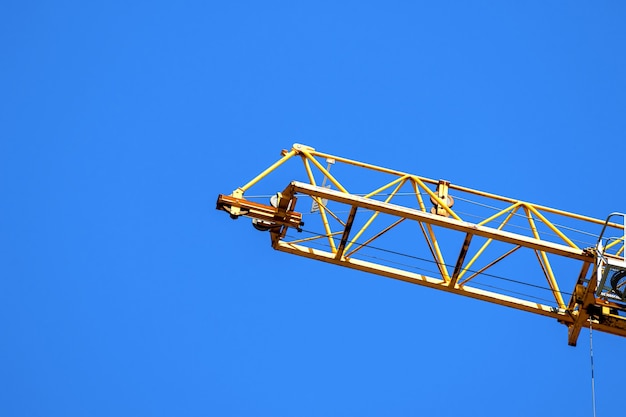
(444, 236)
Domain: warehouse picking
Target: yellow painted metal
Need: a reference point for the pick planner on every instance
(433, 219)
(263, 174)
(536, 206)
(512, 209)
(615, 243)
(367, 166)
(424, 280)
(435, 197)
(489, 265)
(318, 200)
(379, 190)
(462, 188)
(309, 171)
(545, 263)
(324, 171)
(550, 225)
(375, 214)
(373, 238)
(321, 205)
(487, 242)
(584, 296)
(312, 238)
(401, 180)
(430, 238)
(424, 180)
(547, 272)
(418, 195)
(433, 246)
(347, 252)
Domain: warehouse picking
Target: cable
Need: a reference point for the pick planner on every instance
(514, 281)
(593, 385)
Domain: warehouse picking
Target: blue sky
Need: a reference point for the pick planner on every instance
(125, 293)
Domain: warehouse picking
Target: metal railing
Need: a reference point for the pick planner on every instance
(611, 260)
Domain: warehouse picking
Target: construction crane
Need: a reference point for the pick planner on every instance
(444, 236)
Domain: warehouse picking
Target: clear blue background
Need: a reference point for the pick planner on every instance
(123, 292)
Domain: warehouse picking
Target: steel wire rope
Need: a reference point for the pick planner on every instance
(499, 277)
(593, 383)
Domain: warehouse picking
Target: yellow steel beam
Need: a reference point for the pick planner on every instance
(320, 203)
(435, 251)
(319, 166)
(436, 220)
(375, 214)
(400, 181)
(430, 237)
(550, 225)
(376, 236)
(239, 192)
(370, 167)
(512, 210)
(604, 320)
(424, 280)
(543, 260)
(615, 243)
(488, 242)
(486, 267)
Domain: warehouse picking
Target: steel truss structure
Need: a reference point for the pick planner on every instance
(463, 238)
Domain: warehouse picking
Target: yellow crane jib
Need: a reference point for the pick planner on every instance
(444, 236)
